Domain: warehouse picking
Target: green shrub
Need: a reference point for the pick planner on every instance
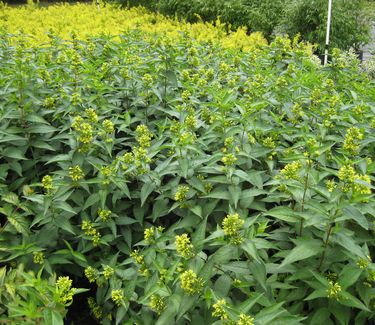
(256, 15)
(350, 26)
(190, 184)
(350, 19)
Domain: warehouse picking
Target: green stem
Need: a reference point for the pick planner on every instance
(325, 246)
(303, 199)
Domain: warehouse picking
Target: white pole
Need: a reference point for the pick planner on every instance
(328, 30)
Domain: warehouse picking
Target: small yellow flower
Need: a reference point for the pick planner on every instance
(47, 183)
(245, 320)
(38, 257)
(183, 246)
(363, 263)
(181, 193)
(352, 140)
(91, 115)
(219, 310)
(229, 159)
(269, 143)
(64, 290)
(291, 170)
(95, 309)
(232, 224)
(331, 185)
(190, 282)
(108, 126)
(117, 296)
(108, 272)
(76, 173)
(143, 136)
(334, 290)
(360, 184)
(104, 215)
(91, 274)
(149, 235)
(157, 304)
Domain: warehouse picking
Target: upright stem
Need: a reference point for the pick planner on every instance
(325, 246)
(303, 198)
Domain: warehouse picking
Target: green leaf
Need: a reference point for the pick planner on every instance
(57, 318)
(223, 285)
(283, 213)
(249, 247)
(320, 316)
(91, 200)
(349, 300)
(319, 293)
(218, 194)
(19, 223)
(235, 194)
(41, 128)
(305, 248)
(63, 223)
(352, 213)
(349, 275)
(15, 153)
(146, 190)
(349, 244)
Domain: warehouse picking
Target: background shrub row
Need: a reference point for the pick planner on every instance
(350, 22)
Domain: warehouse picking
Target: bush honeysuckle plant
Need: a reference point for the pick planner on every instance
(184, 183)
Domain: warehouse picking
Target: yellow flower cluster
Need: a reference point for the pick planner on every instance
(269, 143)
(108, 272)
(291, 170)
(91, 274)
(334, 290)
(140, 260)
(360, 184)
(47, 183)
(64, 290)
(76, 173)
(181, 193)
(106, 172)
(232, 224)
(352, 140)
(245, 320)
(363, 263)
(85, 20)
(117, 296)
(331, 185)
(90, 231)
(149, 235)
(38, 257)
(229, 159)
(108, 126)
(183, 246)
(95, 309)
(143, 136)
(84, 130)
(219, 309)
(157, 304)
(104, 215)
(190, 282)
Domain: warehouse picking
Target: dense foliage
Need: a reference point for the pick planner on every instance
(350, 26)
(350, 21)
(182, 182)
(85, 20)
